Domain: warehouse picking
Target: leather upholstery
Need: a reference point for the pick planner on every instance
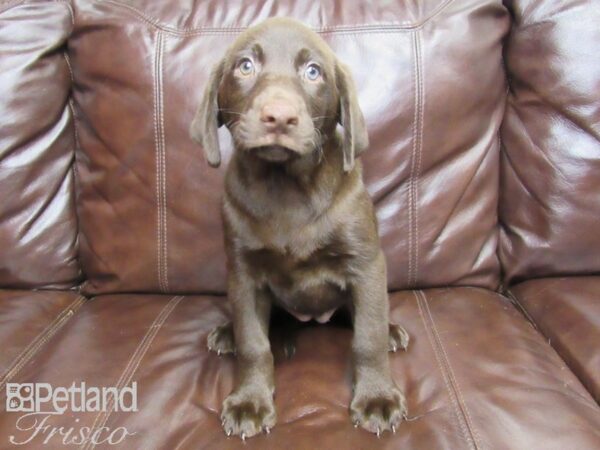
(141, 214)
(551, 134)
(38, 227)
(148, 199)
(43, 312)
(460, 394)
(567, 312)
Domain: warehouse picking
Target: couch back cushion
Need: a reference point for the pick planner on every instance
(38, 225)
(550, 171)
(431, 85)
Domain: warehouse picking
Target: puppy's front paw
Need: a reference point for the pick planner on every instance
(220, 340)
(247, 413)
(377, 410)
(398, 338)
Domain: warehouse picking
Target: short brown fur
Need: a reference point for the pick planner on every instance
(300, 229)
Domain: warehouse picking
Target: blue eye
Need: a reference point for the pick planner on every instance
(312, 72)
(246, 67)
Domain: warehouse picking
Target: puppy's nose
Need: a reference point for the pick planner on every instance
(279, 114)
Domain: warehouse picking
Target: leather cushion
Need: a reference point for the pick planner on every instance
(430, 82)
(38, 226)
(567, 312)
(550, 172)
(28, 319)
(476, 375)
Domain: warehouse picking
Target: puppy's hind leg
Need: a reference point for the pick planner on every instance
(221, 341)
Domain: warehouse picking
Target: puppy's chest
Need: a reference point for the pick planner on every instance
(289, 273)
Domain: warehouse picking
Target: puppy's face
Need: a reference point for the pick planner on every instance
(280, 91)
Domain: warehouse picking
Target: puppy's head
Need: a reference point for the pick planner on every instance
(281, 91)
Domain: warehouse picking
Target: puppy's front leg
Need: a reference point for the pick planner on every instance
(249, 409)
(377, 404)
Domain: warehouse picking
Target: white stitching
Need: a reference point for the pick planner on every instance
(157, 158)
(410, 177)
(30, 351)
(419, 153)
(164, 171)
(158, 143)
(339, 29)
(472, 434)
(413, 230)
(133, 364)
(453, 400)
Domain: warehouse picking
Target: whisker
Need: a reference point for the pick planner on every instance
(230, 111)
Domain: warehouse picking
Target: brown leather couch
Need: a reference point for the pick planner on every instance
(484, 119)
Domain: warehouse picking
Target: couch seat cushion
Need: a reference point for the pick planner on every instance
(567, 312)
(476, 375)
(28, 319)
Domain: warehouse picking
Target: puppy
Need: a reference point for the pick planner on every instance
(300, 230)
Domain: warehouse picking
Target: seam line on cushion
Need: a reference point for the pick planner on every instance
(40, 340)
(337, 29)
(415, 166)
(132, 366)
(74, 165)
(460, 409)
(164, 168)
(515, 301)
(10, 4)
(161, 220)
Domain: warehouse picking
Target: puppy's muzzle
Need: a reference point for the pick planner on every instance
(275, 153)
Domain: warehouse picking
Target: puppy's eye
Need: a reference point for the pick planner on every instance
(312, 72)
(246, 67)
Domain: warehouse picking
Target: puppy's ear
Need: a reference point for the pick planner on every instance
(356, 138)
(207, 121)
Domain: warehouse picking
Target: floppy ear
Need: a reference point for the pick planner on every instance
(356, 138)
(206, 121)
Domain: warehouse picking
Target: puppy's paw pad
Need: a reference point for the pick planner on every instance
(220, 340)
(398, 338)
(378, 412)
(246, 415)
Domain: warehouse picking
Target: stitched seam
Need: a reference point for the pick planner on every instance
(339, 29)
(454, 381)
(419, 153)
(410, 177)
(132, 365)
(451, 393)
(413, 237)
(164, 170)
(156, 157)
(40, 340)
(160, 183)
(471, 432)
(11, 4)
(515, 301)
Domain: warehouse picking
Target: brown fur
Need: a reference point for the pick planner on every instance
(300, 229)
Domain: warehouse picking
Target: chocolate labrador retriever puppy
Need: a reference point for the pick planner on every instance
(300, 230)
